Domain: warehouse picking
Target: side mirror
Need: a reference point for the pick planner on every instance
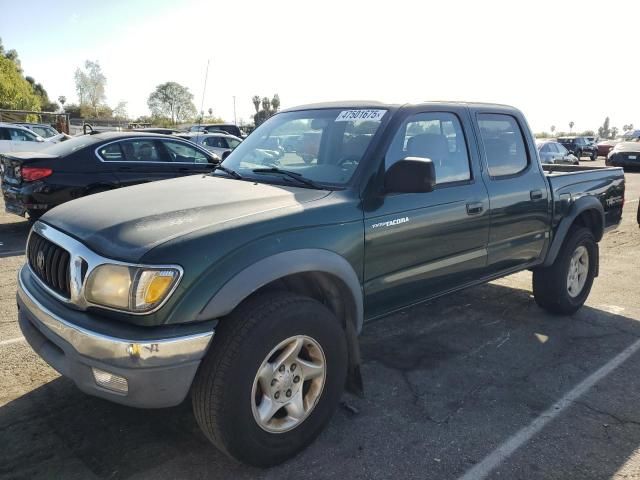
(410, 175)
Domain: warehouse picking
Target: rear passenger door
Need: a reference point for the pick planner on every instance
(421, 244)
(518, 192)
(138, 160)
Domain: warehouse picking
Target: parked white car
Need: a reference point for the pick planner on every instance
(218, 143)
(14, 138)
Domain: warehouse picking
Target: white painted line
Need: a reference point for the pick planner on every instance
(632, 201)
(11, 340)
(506, 449)
(11, 253)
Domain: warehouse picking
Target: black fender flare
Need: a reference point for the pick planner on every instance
(277, 266)
(580, 206)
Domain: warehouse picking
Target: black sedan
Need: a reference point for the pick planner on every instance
(34, 182)
(625, 154)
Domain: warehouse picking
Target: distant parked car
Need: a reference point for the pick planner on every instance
(221, 144)
(35, 182)
(605, 146)
(551, 152)
(229, 128)
(163, 131)
(16, 138)
(580, 147)
(625, 154)
(42, 129)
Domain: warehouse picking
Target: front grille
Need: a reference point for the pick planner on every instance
(50, 263)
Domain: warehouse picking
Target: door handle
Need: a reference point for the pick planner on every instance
(535, 194)
(474, 208)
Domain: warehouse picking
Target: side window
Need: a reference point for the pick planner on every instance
(21, 135)
(545, 148)
(435, 135)
(214, 142)
(503, 144)
(180, 152)
(141, 151)
(4, 134)
(111, 153)
(233, 143)
(561, 149)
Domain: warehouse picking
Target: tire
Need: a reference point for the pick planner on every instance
(226, 393)
(594, 156)
(551, 284)
(578, 154)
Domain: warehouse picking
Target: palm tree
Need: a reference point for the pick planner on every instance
(266, 104)
(256, 102)
(275, 102)
(62, 99)
(571, 124)
(210, 111)
(553, 129)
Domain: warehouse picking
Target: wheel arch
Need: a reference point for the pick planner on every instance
(309, 271)
(586, 212)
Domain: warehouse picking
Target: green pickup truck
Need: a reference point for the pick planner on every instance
(246, 289)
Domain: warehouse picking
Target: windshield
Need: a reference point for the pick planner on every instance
(324, 146)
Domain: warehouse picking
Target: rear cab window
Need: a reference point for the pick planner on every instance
(503, 143)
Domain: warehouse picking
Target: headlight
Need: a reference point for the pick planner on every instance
(135, 289)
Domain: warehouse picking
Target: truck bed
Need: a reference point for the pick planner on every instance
(569, 182)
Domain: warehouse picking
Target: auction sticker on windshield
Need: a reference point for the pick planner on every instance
(351, 115)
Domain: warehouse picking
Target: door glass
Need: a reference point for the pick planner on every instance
(233, 143)
(21, 135)
(503, 144)
(141, 151)
(111, 153)
(181, 153)
(437, 136)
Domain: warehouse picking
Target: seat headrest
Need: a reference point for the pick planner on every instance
(429, 145)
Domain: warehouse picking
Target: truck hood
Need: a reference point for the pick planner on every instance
(126, 223)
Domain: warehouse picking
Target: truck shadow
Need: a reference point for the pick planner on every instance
(446, 382)
(13, 238)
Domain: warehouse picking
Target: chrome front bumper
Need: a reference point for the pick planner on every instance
(159, 371)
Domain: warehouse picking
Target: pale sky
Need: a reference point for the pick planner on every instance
(555, 60)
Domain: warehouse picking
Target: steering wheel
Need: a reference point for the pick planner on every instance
(349, 158)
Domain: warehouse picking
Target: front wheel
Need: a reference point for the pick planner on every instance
(594, 156)
(564, 286)
(272, 379)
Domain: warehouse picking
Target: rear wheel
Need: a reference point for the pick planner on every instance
(578, 154)
(594, 156)
(272, 379)
(564, 286)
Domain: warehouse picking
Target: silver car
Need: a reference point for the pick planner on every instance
(219, 143)
(553, 152)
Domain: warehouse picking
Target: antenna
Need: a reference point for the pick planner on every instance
(204, 89)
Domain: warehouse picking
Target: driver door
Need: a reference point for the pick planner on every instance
(418, 245)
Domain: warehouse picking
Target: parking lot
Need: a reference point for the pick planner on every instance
(480, 384)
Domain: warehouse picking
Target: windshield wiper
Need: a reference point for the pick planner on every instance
(288, 173)
(229, 171)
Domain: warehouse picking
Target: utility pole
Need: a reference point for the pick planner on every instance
(235, 120)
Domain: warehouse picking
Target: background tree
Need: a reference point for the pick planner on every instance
(627, 128)
(614, 132)
(62, 100)
(604, 130)
(553, 129)
(90, 85)
(210, 111)
(256, 102)
(120, 111)
(571, 124)
(266, 104)
(173, 101)
(275, 103)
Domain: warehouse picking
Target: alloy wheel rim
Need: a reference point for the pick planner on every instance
(288, 384)
(578, 271)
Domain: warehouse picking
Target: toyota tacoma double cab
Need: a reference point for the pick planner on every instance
(245, 289)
